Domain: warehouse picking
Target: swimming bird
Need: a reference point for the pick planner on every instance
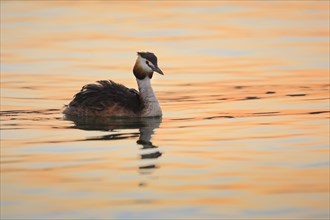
(109, 99)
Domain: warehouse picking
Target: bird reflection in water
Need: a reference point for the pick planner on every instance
(146, 126)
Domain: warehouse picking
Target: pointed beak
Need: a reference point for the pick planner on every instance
(156, 69)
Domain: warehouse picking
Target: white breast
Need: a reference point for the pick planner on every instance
(152, 107)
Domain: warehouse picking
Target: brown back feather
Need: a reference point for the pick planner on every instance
(107, 93)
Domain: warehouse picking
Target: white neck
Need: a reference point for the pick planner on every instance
(150, 101)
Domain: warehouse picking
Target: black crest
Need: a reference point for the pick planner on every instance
(149, 56)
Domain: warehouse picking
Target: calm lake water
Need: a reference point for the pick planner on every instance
(245, 98)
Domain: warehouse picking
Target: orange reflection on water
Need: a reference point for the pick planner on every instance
(245, 96)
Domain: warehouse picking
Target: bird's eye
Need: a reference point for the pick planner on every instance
(147, 62)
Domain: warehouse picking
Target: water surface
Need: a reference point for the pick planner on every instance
(245, 98)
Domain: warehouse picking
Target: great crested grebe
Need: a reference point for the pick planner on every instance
(110, 99)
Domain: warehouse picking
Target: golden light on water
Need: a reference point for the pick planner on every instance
(245, 98)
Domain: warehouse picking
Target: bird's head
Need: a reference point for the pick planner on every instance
(146, 65)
